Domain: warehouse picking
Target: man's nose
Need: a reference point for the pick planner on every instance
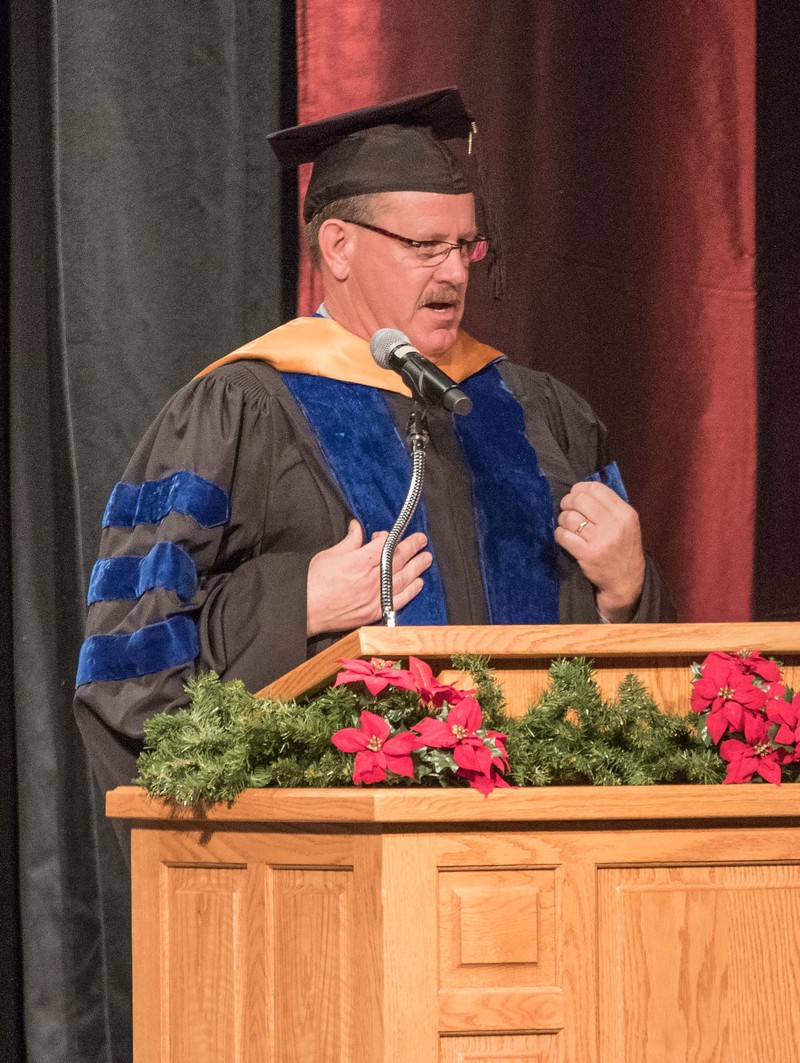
(454, 269)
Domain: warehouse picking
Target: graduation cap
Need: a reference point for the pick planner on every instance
(393, 147)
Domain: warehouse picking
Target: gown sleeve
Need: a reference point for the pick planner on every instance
(192, 575)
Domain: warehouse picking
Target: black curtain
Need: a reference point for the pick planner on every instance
(777, 572)
(11, 998)
(146, 239)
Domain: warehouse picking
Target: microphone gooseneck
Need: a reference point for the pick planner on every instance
(391, 349)
(417, 435)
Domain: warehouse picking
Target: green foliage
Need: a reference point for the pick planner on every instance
(573, 737)
(227, 739)
(489, 691)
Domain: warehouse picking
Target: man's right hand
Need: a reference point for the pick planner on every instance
(344, 580)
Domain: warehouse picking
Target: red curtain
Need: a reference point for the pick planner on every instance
(618, 144)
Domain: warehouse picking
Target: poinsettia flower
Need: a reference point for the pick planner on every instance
(727, 694)
(376, 753)
(486, 781)
(471, 753)
(716, 670)
(500, 740)
(473, 756)
(787, 715)
(721, 673)
(462, 721)
(734, 705)
(755, 664)
(430, 690)
(775, 691)
(483, 783)
(376, 674)
(755, 755)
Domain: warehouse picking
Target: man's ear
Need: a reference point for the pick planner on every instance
(335, 245)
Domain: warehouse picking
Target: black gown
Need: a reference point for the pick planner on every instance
(239, 428)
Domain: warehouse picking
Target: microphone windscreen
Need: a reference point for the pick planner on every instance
(383, 342)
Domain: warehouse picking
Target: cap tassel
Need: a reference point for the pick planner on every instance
(497, 260)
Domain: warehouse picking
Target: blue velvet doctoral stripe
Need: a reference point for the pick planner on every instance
(372, 466)
(513, 505)
(181, 492)
(167, 566)
(611, 477)
(166, 644)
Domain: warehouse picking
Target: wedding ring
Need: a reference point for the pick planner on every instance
(581, 526)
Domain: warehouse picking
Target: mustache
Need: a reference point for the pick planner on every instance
(443, 292)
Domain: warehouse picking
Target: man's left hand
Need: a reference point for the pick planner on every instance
(603, 535)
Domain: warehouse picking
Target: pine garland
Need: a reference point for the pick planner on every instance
(227, 740)
(572, 737)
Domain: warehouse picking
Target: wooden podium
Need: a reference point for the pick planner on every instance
(569, 924)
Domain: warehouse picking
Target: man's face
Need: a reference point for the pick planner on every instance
(390, 287)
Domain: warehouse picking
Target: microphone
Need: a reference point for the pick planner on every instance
(391, 349)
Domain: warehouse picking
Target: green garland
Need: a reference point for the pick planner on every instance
(573, 737)
(228, 740)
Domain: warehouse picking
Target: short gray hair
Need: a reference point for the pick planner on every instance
(364, 208)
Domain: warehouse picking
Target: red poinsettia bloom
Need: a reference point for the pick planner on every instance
(787, 715)
(430, 690)
(376, 674)
(736, 704)
(376, 753)
(483, 783)
(753, 756)
(500, 740)
(727, 694)
(472, 754)
(775, 691)
(463, 720)
(755, 664)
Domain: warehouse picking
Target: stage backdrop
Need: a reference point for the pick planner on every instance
(619, 144)
(147, 238)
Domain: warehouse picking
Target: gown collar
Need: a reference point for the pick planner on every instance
(320, 346)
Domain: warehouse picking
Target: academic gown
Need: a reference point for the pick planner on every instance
(240, 429)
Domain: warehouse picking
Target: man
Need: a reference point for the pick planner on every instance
(246, 532)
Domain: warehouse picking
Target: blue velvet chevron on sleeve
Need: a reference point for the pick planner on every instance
(175, 640)
(150, 502)
(167, 566)
(166, 644)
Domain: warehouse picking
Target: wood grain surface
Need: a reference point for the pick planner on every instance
(568, 941)
(542, 641)
(660, 654)
(559, 925)
(527, 805)
(517, 1048)
(312, 929)
(688, 957)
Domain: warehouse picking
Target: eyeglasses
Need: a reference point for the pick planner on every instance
(434, 252)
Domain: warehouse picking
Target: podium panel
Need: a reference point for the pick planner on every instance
(678, 945)
(401, 925)
(660, 654)
(438, 926)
